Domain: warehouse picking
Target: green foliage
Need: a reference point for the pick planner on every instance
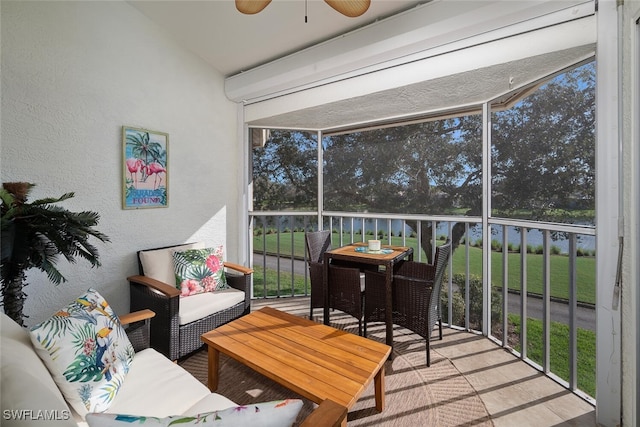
(542, 163)
(475, 302)
(285, 172)
(543, 153)
(34, 235)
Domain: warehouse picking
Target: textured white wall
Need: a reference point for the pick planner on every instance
(73, 73)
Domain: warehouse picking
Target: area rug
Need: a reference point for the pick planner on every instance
(415, 395)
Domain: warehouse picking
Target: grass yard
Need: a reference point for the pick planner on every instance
(278, 285)
(283, 244)
(559, 351)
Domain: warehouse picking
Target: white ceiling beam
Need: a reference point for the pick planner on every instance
(476, 59)
(427, 30)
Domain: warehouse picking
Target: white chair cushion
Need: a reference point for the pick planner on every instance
(157, 387)
(158, 263)
(198, 306)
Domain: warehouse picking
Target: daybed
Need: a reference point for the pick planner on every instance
(153, 387)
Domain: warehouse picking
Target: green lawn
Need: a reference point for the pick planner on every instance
(559, 351)
(285, 288)
(559, 273)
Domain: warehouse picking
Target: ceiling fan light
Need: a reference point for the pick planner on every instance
(350, 8)
(251, 7)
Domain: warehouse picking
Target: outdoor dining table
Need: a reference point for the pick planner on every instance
(384, 259)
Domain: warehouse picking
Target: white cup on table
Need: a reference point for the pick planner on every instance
(374, 245)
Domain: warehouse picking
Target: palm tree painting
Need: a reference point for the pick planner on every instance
(145, 176)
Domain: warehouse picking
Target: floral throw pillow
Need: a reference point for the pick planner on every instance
(280, 413)
(199, 270)
(86, 350)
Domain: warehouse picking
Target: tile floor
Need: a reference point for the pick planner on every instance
(514, 393)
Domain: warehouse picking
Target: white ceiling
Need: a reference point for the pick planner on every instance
(232, 42)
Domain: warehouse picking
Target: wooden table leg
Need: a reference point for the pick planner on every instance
(214, 363)
(379, 389)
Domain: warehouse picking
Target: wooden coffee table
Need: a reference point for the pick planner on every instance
(314, 360)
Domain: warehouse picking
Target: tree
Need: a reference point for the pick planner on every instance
(285, 172)
(544, 149)
(34, 235)
(542, 162)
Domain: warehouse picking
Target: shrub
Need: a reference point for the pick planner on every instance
(458, 307)
(475, 302)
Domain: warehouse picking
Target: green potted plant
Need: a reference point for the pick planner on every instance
(34, 235)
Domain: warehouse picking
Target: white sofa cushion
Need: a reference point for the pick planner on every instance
(174, 390)
(158, 263)
(26, 386)
(198, 306)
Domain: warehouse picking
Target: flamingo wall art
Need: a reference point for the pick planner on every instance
(145, 176)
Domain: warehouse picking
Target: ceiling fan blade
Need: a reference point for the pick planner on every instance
(350, 8)
(251, 7)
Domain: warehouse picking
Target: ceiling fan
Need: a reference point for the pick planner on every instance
(350, 8)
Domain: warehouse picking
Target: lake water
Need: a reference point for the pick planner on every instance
(534, 236)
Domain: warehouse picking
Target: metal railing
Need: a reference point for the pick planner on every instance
(279, 260)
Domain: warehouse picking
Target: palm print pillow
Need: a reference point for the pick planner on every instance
(87, 351)
(199, 270)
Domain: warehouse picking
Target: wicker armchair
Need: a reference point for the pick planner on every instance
(138, 328)
(168, 336)
(415, 293)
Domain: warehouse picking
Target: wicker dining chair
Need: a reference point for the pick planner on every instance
(318, 242)
(345, 292)
(416, 294)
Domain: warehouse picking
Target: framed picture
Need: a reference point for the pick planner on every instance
(145, 180)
